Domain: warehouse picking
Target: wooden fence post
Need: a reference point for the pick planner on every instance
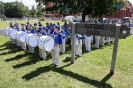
(115, 48)
(73, 43)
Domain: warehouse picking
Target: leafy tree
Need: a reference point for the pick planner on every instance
(1, 8)
(26, 11)
(15, 9)
(39, 10)
(33, 10)
(96, 8)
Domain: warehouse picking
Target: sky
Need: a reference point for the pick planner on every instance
(29, 3)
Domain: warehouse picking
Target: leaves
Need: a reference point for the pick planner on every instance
(95, 8)
(15, 9)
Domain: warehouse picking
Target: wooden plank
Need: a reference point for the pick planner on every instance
(115, 48)
(95, 29)
(106, 30)
(73, 44)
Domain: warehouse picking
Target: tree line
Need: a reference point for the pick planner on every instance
(94, 8)
(19, 10)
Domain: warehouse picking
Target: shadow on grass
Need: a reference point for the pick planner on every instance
(2, 49)
(26, 63)
(37, 72)
(32, 60)
(11, 48)
(16, 58)
(68, 59)
(106, 78)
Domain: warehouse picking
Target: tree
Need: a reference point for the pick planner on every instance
(39, 10)
(1, 8)
(26, 11)
(33, 10)
(96, 8)
(15, 9)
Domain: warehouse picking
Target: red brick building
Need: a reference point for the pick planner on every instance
(126, 11)
(57, 13)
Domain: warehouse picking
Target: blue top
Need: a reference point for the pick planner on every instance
(17, 28)
(32, 31)
(83, 36)
(48, 27)
(57, 38)
(12, 27)
(39, 29)
(52, 31)
(23, 29)
(43, 33)
(80, 36)
(65, 28)
(64, 35)
(129, 25)
(88, 35)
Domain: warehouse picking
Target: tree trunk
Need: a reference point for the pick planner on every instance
(100, 18)
(83, 16)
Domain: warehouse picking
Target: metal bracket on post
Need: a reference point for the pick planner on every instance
(73, 44)
(115, 48)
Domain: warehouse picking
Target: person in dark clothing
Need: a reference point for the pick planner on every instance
(27, 26)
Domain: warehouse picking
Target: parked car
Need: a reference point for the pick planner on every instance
(72, 19)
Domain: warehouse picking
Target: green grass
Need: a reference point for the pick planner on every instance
(18, 69)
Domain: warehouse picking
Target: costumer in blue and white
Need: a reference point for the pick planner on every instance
(11, 26)
(58, 41)
(88, 42)
(42, 52)
(64, 35)
(16, 27)
(102, 38)
(79, 39)
(23, 44)
(31, 31)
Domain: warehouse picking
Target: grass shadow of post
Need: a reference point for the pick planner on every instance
(37, 72)
(11, 48)
(15, 58)
(106, 78)
(69, 74)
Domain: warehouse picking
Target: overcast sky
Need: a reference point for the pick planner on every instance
(29, 3)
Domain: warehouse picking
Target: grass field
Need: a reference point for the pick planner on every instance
(18, 69)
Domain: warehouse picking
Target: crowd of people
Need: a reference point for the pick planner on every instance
(60, 35)
(57, 32)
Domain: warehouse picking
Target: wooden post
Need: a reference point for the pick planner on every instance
(115, 48)
(73, 44)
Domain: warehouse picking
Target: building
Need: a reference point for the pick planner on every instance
(126, 11)
(57, 13)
